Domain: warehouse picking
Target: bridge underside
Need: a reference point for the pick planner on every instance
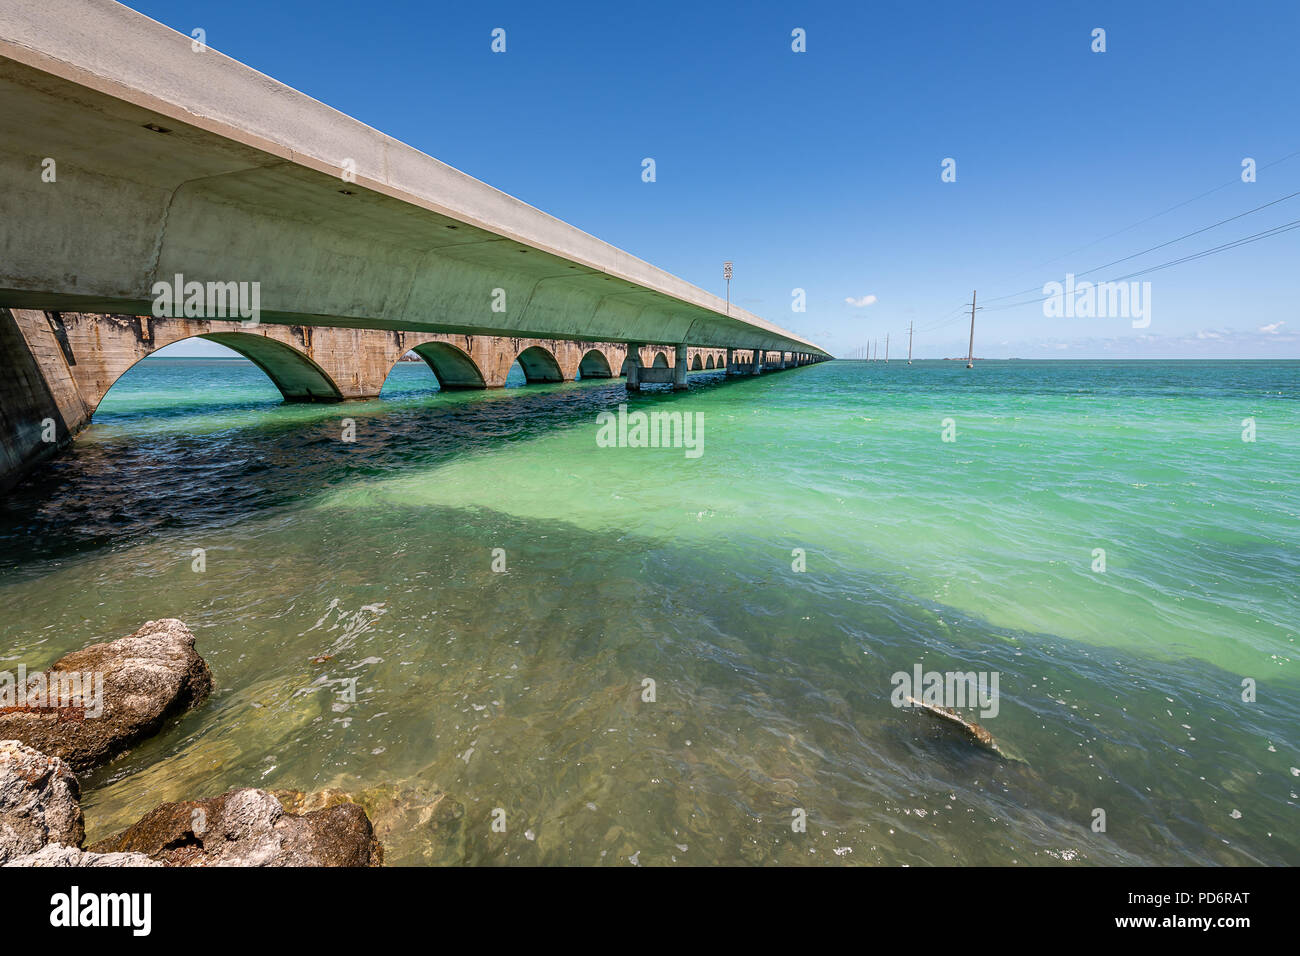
(167, 162)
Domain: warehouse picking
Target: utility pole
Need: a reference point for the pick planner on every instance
(970, 354)
(726, 274)
(909, 343)
(886, 348)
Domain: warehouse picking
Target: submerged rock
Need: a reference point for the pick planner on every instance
(125, 690)
(972, 730)
(424, 822)
(250, 828)
(55, 855)
(421, 823)
(39, 802)
(299, 802)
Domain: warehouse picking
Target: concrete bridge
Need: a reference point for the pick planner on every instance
(133, 158)
(166, 161)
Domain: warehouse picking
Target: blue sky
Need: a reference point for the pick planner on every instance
(821, 170)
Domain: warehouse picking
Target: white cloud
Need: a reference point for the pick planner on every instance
(1206, 334)
(1272, 329)
(861, 303)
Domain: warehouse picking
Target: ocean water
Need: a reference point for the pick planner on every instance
(360, 637)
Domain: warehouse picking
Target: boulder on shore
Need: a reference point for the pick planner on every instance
(56, 855)
(126, 690)
(39, 802)
(249, 828)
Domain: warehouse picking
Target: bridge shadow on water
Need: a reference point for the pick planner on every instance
(187, 467)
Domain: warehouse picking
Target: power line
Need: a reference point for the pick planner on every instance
(1195, 232)
(1142, 222)
(951, 317)
(1245, 240)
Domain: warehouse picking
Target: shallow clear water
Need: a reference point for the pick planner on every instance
(522, 690)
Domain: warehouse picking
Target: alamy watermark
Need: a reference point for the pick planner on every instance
(1098, 300)
(951, 689)
(211, 300)
(70, 694)
(651, 430)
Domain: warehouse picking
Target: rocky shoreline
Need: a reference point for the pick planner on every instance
(93, 705)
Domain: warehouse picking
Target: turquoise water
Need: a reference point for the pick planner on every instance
(522, 690)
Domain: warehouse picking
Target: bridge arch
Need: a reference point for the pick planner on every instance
(539, 365)
(708, 363)
(298, 378)
(697, 363)
(595, 364)
(453, 367)
(661, 360)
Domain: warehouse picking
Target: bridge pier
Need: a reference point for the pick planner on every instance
(681, 366)
(41, 409)
(633, 367)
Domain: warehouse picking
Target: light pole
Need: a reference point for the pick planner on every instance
(726, 274)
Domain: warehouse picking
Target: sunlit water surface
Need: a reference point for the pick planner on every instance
(329, 562)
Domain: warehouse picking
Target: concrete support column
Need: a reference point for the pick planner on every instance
(41, 406)
(757, 367)
(681, 365)
(633, 367)
(731, 362)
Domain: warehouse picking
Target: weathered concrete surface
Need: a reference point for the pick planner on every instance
(250, 828)
(39, 802)
(41, 408)
(57, 855)
(147, 677)
(176, 162)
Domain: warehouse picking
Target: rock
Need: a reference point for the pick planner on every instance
(39, 802)
(145, 677)
(249, 828)
(298, 802)
(55, 855)
(421, 824)
(973, 732)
